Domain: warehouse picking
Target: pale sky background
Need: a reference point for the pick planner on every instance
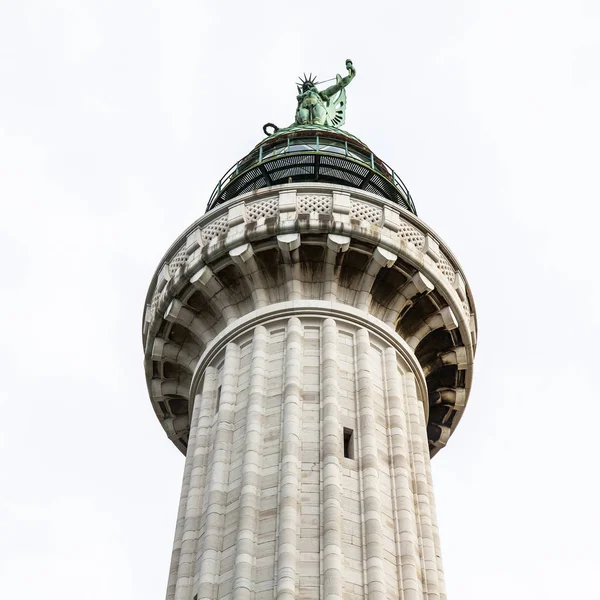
(117, 118)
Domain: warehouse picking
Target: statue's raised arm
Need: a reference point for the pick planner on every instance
(341, 82)
(323, 108)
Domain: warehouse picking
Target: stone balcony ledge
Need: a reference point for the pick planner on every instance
(306, 241)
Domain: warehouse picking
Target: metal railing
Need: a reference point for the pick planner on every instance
(318, 146)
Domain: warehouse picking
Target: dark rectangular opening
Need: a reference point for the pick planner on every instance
(218, 399)
(348, 443)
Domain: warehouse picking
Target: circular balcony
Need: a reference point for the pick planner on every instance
(310, 154)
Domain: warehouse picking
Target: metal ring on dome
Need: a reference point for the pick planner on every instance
(275, 129)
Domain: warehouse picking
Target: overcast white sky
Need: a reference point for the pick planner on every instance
(116, 120)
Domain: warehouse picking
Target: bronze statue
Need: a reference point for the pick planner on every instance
(327, 107)
(320, 108)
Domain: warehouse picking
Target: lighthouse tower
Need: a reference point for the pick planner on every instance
(309, 345)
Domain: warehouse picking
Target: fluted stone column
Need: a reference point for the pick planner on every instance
(309, 348)
(181, 580)
(183, 502)
(420, 458)
(243, 584)
(332, 475)
(407, 537)
(370, 472)
(287, 554)
(260, 382)
(209, 552)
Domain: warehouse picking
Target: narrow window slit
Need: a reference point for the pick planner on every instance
(218, 399)
(348, 443)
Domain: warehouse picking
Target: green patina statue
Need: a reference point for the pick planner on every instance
(323, 108)
(326, 108)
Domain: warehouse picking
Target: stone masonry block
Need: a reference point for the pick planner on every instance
(193, 241)
(289, 241)
(448, 318)
(173, 310)
(163, 277)
(287, 201)
(338, 243)
(391, 219)
(158, 349)
(384, 257)
(341, 203)
(202, 277)
(431, 248)
(241, 254)
(457, 356)
(236, 215)
(423, 285)
(459, 286)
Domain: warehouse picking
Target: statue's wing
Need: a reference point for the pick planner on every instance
(336, 107)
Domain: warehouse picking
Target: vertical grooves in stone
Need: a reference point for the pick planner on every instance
(287, 552)
(419, 451)
(310, 513)
(280, 449)
(392, 401)
(431, 509)
(243, 586)
(332, 474)
(185, 490)
(407, 558)
(191, 524)
(290, 540)
(361, 485)
(370, 472)
(436, 533)
(410, 426)
(436, 536)
(321, 478)
(217, 488)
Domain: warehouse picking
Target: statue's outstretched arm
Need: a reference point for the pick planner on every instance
(336, 87)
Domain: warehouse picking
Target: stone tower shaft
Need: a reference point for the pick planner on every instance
(309, 345)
